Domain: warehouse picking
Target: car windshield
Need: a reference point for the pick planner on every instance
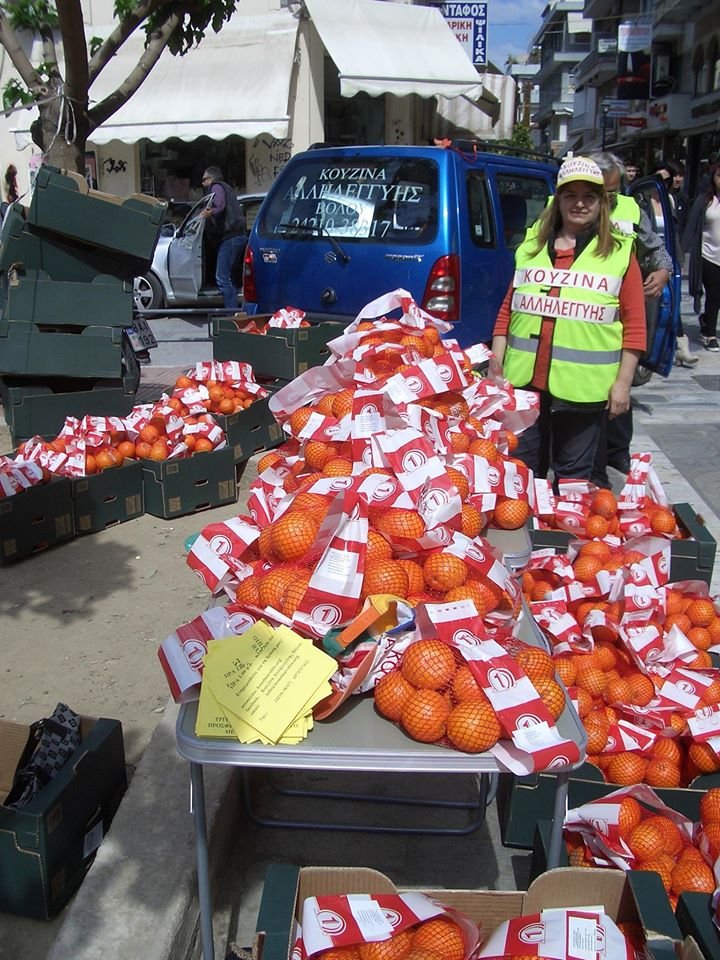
(376, 199)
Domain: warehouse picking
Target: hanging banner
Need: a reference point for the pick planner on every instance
(468, 21)
(634, 60)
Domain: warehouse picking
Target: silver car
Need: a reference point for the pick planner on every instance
(183, 268)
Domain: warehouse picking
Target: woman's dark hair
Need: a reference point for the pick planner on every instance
(712, 189)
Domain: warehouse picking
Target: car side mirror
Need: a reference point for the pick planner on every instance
(167, 230)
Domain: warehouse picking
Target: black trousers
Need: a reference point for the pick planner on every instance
(613, 445)
(563, 439)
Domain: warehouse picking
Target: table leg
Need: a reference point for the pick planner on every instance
(201, 857)
(556, 831)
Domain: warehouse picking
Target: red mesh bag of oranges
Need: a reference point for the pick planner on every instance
(17, 475)
(215, 386)
(632, 829)
(406, 926)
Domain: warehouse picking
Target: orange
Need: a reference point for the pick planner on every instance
(473, 726)
(416, 582)
(630, 816)
(90, 465)
(704, 757)
(710, 806)
(511, 514)
(597, 548)
(586, 567)
(663, 865)
(604, 503)
(597, 733)
(269, 460)
(666, 748)
(421, 953)
(339, 953)
(701, 661)
(596, 526)
(605, 655)
(248, 591)
(429, 664)
(391, 693)
(149, 433)
(700, 638)
(484, 448)
(385, 576)
(618, 691)
(126, 449)
(293, 534)
(299, 418)
(552, 696)
(183, 382)
(274, 584)
(459, 442)
(700, 612)
(342, 403)
(443, 571)
(646, 839)
(159, 450)
(626, 768)
(472, 590)
(203, 445)
(663, 521)
(536, 663)
(673, 841)
(103, 460)
(142, 449)
(584, 702)
(711, 696)
(642, 689)
(674, 601)
(399, 522)
(565, 668)
(472, 521)
(459, 480)
(295, 592)
(541, 589)
(338, 467)
(377, 547)
(714, 630)
(424, 715)
(394, 949)
(465, 686)
(317, 453)
(692, 874)
(441, 935)
(592, 678)
(324, 404)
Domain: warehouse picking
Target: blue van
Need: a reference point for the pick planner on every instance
(343, 225)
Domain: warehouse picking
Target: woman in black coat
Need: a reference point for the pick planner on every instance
(702, 241)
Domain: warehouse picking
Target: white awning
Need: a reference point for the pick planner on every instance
(381, 47)
(236, 81)
(490, 117)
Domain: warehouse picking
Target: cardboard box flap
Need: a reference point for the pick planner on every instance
(13, 737)
(569, 886)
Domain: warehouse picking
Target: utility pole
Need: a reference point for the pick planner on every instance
(605, 110)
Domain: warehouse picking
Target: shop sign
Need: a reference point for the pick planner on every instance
(468, 21)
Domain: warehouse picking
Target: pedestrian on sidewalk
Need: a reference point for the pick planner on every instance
(702, 241)
(225, 228)
(575, 344)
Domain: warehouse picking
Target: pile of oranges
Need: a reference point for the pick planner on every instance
(438, 938)
(609, 684)
(601, 517)
(655, 842)
(224, 398)
(435, 697)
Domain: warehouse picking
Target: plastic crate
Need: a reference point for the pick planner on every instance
(35, 519)
(278, 353)
(522, 801)
(690, 559)
(39, 407)
(63, 203)
(251, 431)
(175, 488)
(61, 258)
(108, 498)
(47, 846)
(32, 296)
(694, 915)
(67, 350)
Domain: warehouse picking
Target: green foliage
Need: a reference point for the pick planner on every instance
(196, 19)
(94, 43)
(16, 94)
(31, 14)
(520, 142)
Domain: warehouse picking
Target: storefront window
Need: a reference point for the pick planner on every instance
(714, 66)
(172, 170)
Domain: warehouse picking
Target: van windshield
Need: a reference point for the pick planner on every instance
(378, 199)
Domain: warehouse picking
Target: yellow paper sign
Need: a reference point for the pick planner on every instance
(266, 682)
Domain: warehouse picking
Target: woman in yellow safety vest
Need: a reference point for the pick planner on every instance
(572, 325)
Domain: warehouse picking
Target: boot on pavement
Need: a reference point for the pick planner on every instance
(683, 357)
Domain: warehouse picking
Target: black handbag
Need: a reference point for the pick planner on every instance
(50, 745)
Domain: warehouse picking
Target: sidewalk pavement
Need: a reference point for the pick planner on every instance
(139, 899)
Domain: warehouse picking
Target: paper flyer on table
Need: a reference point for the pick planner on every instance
(266, 682)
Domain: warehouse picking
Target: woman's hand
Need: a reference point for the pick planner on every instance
(618, 399)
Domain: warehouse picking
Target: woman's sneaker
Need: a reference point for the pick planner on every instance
(711, 343)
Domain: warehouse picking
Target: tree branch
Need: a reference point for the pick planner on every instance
(72, 31)
(20, 60)
(117, 38)
(137, 76)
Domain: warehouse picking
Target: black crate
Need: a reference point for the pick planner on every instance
(39, 407)
(251, 431)
(107, 498)
(279, 353)
(63, 203)
(35, 519)
(174, 488)
(694, 915)
(66, 350)
(690, 559)
(47, 846)
(32, 296)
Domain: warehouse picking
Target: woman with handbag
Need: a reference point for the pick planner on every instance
(702, 241)
(572, 326)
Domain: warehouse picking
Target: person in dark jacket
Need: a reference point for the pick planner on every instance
(226, 228)
(702, 242)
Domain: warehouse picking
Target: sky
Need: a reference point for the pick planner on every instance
(511, 26)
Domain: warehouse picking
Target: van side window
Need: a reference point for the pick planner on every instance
(481, 231)
(522, 200)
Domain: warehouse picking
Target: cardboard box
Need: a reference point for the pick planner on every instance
(694, 916)
(522, 801)
(278, 353)
(63, 203)
(31, 296)
(633, 897)
(174, 488)
(63, 259)
(691, 559)
(251, 430)
(39, 406)
(36, 518)
(107, 498)
(63, 350)
(48, 844)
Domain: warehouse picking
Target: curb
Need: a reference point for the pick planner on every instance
(139, 899)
